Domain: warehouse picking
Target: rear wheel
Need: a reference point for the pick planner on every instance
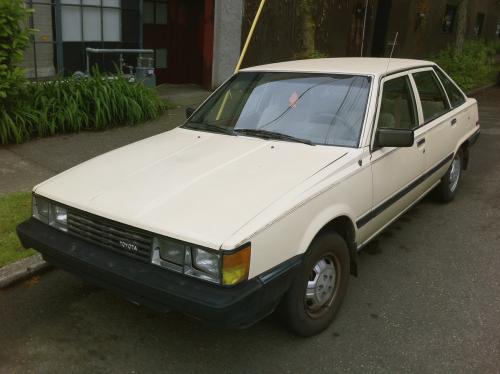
(447, 188)
(320, 286)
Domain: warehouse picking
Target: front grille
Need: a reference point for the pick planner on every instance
(110, 235)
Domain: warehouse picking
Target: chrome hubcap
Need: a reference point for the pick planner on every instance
(455, 173)
(321, 288)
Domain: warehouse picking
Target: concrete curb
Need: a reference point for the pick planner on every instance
(21, 270)
(480, 89)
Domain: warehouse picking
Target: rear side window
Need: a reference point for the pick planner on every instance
(454, 94)
(432, 97)
(397, 108)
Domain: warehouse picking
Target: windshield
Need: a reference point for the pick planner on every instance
(323, 109)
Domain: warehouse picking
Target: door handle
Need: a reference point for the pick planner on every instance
(453, 121)
(420, 142)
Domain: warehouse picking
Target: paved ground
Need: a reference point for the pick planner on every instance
(427, 301)
(23, 166)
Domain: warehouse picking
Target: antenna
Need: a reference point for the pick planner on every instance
(394, 44)
(364, 28)
(392, 50)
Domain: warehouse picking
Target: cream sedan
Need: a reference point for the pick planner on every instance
(264, 197)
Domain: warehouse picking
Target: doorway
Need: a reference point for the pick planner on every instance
(380, 31)
(174, 30)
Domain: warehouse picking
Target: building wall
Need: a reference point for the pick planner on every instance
(42, 21)
(227, 39)
(491, 10)
(417, 22)
(279, 35)
(422, 36)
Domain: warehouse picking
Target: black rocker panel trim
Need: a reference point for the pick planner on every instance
(398, 195)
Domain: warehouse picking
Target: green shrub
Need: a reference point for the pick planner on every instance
(14, 38)
(471, 68)
(496, 45)
(75, 104)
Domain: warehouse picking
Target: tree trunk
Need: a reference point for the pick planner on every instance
(461, 25)
(308, 29)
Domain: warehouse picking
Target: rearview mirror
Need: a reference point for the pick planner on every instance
(189, 112)
(394, 138)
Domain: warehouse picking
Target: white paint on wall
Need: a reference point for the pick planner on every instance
(227, 39)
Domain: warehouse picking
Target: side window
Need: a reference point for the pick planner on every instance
(397, 108)
(432, 97)
(454, 94)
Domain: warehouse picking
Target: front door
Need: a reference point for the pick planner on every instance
(174, 30)
(395, 171)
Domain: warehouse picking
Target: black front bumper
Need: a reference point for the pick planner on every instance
(157, 288)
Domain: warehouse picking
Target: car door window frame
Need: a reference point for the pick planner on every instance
(419, 101)
(416, 104)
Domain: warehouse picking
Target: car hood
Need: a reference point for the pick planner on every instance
(190, 185)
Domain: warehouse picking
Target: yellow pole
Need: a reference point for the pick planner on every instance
(250, 34)
(243, 53)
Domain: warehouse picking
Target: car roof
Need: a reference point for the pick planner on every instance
(344, 65)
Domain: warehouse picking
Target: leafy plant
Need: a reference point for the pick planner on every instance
(14, 38)
(471, 68)
(74, 104)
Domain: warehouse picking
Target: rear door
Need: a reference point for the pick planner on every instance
(395, 170)
(460, 111)
(439, 123)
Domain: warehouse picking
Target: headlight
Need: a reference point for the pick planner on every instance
(206, 261)
(50, 213)
(40, 208)
(58, 217)
(213, 266)
(170, 251)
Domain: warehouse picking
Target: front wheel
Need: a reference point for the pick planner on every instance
(447, 188)
(320, 286)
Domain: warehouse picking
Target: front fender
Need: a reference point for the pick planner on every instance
(321, 220)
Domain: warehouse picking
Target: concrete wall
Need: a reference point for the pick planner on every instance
(227, 39)
(42, 18)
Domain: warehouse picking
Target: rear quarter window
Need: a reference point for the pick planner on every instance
(456, 97)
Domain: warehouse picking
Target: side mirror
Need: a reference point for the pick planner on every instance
(394, 138)
(189, 112)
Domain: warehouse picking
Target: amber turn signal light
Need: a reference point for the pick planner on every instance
(235, 266)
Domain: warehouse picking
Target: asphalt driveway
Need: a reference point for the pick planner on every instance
(427, 301)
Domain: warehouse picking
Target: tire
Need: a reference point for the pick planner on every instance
(447, 188)
(308, 315)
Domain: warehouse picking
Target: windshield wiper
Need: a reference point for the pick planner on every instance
(208, 127)
(272, 135)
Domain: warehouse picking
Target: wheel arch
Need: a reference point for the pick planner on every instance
(344, 225)
(464, 146)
